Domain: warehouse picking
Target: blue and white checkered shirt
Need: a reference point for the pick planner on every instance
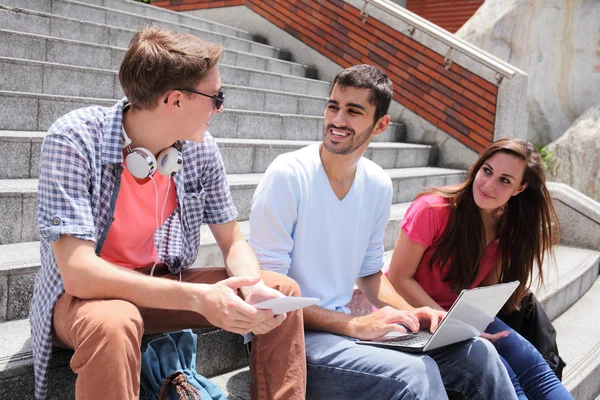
(80, 169)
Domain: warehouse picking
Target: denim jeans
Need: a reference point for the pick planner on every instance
(338, 368)
(530, 373)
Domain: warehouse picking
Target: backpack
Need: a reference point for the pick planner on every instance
(169, 370)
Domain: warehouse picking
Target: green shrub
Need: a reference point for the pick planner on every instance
(546, 155)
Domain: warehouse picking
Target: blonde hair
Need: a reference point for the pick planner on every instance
(158, 60)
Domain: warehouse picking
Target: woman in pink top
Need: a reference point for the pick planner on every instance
(494, 227)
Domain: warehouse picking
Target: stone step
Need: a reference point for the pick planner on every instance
(581, 374)
(236, 97)
(123, 14)
(235, 384)
(32, 111)
(19, 154)
(578, 336)
(18, 197)
(16, 364)
(37, 112)
(80, 29)
(29, 46)
(567, 277)
(19, 262)
(18, 75)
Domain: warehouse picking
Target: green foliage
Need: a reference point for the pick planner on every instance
(144, 1)
(546, 155)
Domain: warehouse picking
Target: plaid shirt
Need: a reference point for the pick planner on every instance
(80, 170)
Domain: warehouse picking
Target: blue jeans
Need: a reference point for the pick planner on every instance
(338, 368)
(530, 373)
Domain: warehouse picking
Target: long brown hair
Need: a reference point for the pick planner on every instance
(528, 226)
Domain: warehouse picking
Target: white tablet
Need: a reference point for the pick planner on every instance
(281, 305)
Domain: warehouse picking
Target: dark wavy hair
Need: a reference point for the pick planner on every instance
(366, 76)
(528, 226)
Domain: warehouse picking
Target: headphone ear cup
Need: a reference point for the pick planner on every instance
(141, 163)
(169, 161)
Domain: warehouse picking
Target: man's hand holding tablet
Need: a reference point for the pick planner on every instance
(282, 305)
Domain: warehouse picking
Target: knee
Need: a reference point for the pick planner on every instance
(484, 356)
(118, 322)
(424, 379)
(282, 283)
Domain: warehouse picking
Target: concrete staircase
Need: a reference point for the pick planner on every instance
(58, 55)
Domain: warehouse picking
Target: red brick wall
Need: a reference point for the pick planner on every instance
(457, 101)
(449, 14)
(186, 5)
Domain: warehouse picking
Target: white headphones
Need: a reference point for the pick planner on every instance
(142, 164)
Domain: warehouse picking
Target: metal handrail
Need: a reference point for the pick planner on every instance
(466, 48)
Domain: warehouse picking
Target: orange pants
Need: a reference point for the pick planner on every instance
(106, 336)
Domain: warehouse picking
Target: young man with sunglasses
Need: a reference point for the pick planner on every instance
(117, 238)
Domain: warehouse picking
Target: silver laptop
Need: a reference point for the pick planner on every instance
(470, 314)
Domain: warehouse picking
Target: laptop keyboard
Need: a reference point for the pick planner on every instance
(420, 337)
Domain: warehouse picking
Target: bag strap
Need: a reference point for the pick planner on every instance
(177, 380)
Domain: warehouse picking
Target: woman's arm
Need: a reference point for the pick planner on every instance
(405, 260)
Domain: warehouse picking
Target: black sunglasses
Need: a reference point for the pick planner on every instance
(219, 98)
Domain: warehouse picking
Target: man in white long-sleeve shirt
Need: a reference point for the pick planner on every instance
(319, 216)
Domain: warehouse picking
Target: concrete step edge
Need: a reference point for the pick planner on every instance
(111, 71)
(225, 86)
(16, 354)
(70, 19)
(243, 180)
(46, 37)
(179, 15)
(29, 260)
(28, 136)
(578, 335)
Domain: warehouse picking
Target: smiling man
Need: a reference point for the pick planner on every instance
(123, 192)
(319, 216)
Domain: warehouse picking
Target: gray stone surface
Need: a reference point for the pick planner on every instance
(295, 127)
(3, 297)
(19, 258)
(281, 67)
(235, 384)
(83, 83)
(23, 22)
(78, 30)
(258, 126)
(43, 6)
(52, 108)
(311, 106)
(578, 337)
(237, 159)
(20, 291)
(29, 224)
(10, 218)
(575, 156)
(280, 103)
(79, 53)
(579, 216)
(119, 37)
(25, 46)
(567, 277)
(14, 159)
(212, 345)
(79, 11)
(18, 115)
(16, 372)
(36, 150)
(21, 77)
